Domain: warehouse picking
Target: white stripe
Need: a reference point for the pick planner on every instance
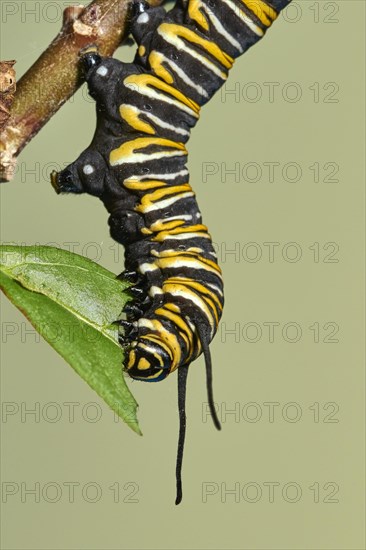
(186, 217)
(147, 323)
(156, 119)
(191, 325)
(148, 176)
(181, 217)
(216, 288)
(221, 29)
(202, 306)
(159, 205)
(160, 96)
(154, 290)
(145, 268)
(163, 124)
(243, 17)
(180, 45)
(183, 75)
(183, 236)
(177, 263)
(141, 157)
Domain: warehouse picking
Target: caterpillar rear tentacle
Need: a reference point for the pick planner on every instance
(182, 387)
(136, 164)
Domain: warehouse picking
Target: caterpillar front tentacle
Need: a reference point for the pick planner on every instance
(87, 174)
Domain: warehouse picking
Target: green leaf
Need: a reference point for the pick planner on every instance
(72, 302)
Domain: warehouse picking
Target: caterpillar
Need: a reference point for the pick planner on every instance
(136, 164)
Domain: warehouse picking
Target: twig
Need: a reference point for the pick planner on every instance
(54, 77)
(7, 90)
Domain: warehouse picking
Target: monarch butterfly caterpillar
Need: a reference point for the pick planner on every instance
(136, 164)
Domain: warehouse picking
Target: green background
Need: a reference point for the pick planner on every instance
(296, 477)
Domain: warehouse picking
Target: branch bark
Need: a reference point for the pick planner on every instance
(54, 77)
(7, 90)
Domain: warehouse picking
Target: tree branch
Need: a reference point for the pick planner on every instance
(54, 77)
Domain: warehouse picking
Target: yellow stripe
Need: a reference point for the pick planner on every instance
(172, 307)
(183, 335)
(186, 332)
(265, 13)
(160, 225)
(195, 13)
(126, 151)
(143, 364)
(157, 340)
(199, 287)
(194, 250)
(130, 114)
(131, 359)
(135, 185)
(177, 30)
(207, 301)
(189, 263)
(142, 80)
(167, 191)
(176, 309)
(159, 194)
(167, 338)
(155, 60)
(185, 292)
(146, 231)
(206, 295)
(187, 229)
(149, 350)
(171, 255)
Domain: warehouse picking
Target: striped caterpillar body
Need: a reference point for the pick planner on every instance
(136, 164)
